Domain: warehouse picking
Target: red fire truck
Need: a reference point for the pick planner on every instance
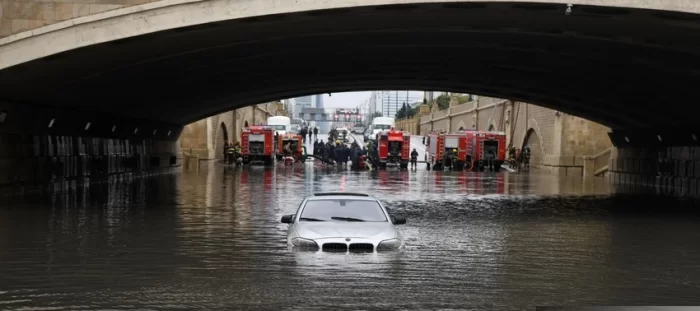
(447, 151)
(257, 145)
(485, 150)
(295, 146)
(394, 148)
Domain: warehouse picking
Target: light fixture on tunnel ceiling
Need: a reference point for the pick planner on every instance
(114, 128)
(87, 126)
(136, 130)
(169, 133)
(3, 115)
(695, 138)
(154, 132)
(659, 137)
(627, 139)
(51, 122)
(568, 9)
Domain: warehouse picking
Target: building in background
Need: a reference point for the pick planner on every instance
(388, 103)
(301, 103)
(323, 127)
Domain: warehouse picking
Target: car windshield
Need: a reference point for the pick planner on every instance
(279, 127)
(382, 126)
(342, 210)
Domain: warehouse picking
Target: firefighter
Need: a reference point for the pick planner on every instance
(414, 158)
(526, 156)
(315, 132)
(230, 154)
(287, 148)
(236, 152)
(511, 153)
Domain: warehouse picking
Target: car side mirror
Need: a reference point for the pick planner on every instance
(398, 220)
(289, 219)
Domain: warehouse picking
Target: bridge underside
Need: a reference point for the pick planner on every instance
(628, 69)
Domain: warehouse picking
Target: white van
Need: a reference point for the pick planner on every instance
(381, 124)
(281, 124)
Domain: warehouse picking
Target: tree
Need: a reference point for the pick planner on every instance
(443, 101)
(405, 112)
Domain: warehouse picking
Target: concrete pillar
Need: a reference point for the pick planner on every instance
(588, 167)
(234, 126)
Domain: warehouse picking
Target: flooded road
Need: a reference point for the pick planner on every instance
(213, 239)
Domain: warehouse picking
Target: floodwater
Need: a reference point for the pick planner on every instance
(213, 239)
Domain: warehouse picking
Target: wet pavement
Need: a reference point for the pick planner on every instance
(212, 239)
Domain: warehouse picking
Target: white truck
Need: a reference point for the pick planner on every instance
(380, 124)
(281, 124)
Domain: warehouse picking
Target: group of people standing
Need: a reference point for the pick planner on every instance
(519, 157)
(310, 131)
(337, 153)
(232, 151)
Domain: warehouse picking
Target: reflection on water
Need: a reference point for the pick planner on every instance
(213, 239)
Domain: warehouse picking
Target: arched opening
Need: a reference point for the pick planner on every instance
(220, 142)
(245, 124)
(491, 128)
(532, 140)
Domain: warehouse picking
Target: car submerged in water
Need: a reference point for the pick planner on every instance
(341, 222)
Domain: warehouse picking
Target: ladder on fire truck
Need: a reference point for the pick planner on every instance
(441, 145)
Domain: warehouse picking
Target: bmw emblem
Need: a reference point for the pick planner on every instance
(347, 239)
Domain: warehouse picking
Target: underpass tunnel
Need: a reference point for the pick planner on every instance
(590, 62)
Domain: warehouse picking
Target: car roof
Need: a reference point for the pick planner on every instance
(341, 196)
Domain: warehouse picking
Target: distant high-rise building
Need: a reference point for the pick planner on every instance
(323, 127)
(392, 101)
(301, 103)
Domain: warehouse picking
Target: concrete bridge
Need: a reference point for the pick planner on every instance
(95, 78)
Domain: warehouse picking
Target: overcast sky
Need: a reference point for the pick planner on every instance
(353, 99)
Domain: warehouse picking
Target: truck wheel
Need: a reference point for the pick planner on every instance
(458, 166)
(268, 161)
(404, 166)
(497, 167)
(427, 165)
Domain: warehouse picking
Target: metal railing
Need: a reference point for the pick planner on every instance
(600, 163)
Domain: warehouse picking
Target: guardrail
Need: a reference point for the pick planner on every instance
(596, 165)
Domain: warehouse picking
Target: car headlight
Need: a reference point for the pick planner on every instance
(305, 243)
(389, 244)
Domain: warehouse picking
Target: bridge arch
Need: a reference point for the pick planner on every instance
(533, 139)
(246, 51)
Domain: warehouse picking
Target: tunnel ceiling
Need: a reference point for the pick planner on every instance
(629, 69)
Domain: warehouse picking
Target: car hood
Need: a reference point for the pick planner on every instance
(337, 229)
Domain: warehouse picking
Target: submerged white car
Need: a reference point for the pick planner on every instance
(343, 222)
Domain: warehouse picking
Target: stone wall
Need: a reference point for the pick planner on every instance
(559, 142)
(204, 139)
